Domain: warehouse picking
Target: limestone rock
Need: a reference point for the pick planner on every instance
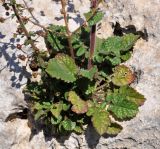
(121, 16)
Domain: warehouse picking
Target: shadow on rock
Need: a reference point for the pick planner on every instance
(118, 30)
(9, 52)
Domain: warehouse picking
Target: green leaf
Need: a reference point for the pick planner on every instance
(126, 56)
(66, 107)
(62, 67)
(57, 42)
(132, 95)
(113, 48)
(114, 61)
(114, 129)
(99, 43)
(78, 129)
(44, 105)
(54, 43)
(92, 110)
(89, 73)
(93, 18)
(101, 121)
(38, 106)
(79, 106)
(125, 93)
(39, 114)
(122, 76)
(128, 41)
(81, 51)
(121, 106)
(90, 88)
(57, 120)
(103, 105)
(96, 56)
(56, 109)
(68, 125)
(112, 45)
(114, 96)
(123, 109)
(116, 44)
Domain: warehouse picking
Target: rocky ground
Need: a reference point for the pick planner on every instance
(142, 132)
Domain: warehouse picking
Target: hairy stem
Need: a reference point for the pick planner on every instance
(24, 28)
(92, 37)
(69, 35)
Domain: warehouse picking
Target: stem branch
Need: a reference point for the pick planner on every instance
(24, 28)
(69, 35)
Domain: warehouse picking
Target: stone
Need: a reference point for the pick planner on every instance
(121, 16)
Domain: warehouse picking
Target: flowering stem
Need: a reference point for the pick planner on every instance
(69, 35)
(92, 37)
(24, 28)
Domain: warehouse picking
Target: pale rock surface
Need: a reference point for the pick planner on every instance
(142, 132)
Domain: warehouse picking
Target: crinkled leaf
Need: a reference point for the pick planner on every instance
(79, 106)
(115, 44)
(128, 41)
(114, 96)
(96, 56)
(122, 76)
(114, 129)
(114, 49)
(113, 60)
(68, 125)
(123, 109)
(89, 73)
(101, 121)
(132, 95)
(125, 93)
(99, 43)
(62, 67)
(111, 45)
(92, 110)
